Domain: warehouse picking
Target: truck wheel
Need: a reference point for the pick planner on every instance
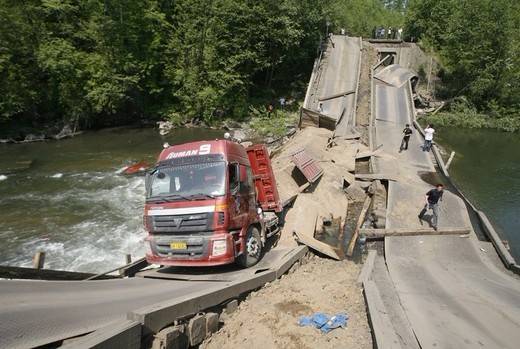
(253, 250)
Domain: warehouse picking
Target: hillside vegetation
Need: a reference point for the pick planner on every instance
(96, 62)
(478, 42)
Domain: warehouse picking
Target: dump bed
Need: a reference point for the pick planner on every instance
(265, 183)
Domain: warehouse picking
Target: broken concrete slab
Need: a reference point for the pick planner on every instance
(317, 245)
(355, 192)
(172, 337)
(196, 329)
(212, 321)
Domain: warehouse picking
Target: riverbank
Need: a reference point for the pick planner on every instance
(471, 119)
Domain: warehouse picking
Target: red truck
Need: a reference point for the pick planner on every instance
(210, 203)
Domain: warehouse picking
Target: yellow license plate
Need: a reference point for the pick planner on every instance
(178, 246)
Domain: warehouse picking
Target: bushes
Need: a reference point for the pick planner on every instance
(464, 115)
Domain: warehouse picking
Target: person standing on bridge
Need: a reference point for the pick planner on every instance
(428, 137)
(432, 202)
(407, 132)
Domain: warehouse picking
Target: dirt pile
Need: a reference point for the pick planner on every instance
(269, 318)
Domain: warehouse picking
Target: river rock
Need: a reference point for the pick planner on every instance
(65, 132)
(34, 138)
(165, 127)
(239, 134)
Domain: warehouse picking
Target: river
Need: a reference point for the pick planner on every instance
(487, 170)
(72, 204)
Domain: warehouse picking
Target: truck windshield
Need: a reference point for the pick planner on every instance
(189, 181)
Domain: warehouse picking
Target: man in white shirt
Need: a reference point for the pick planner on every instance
(428, 137)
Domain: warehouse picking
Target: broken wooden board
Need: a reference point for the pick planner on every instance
(368, 153)
(336, 95)
(361, 219)
(375, 176)
(316, 245)
(382, 233)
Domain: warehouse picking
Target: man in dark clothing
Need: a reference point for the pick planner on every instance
(407, 132)
(432, 202)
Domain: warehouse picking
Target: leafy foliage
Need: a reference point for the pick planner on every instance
(478, 42)
(100, 62)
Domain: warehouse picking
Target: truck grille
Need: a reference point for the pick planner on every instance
(195, 248)
(189, 223)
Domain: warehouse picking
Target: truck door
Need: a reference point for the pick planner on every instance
(236, 204)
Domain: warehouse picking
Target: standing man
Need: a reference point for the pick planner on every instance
(282, 103)
(407, 132)
(432, 202)
(428, 137)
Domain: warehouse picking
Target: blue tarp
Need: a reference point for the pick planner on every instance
(324, 322)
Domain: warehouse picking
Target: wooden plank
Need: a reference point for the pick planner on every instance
(317, 245)
(8, 272)
(381, 324)
(368, 153)
(381, 233)
(128, 269)
(336, 95)
(39, 260)
(375, 176)
(132, 268)
(452, 155)
(368, 266)
(361, 219)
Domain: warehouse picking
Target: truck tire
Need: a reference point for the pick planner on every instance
(253, 249)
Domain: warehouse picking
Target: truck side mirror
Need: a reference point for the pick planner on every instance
(147, 182)
(234, 178)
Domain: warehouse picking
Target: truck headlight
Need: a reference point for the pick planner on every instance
(219, 247)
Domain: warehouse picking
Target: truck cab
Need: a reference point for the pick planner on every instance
(202, 206)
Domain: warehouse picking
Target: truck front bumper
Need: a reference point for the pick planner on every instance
(190, 250)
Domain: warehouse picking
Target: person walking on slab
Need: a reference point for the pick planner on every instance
(432, 202)
(407, 132)
(428, 137)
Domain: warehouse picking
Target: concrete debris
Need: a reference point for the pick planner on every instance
(317, 245)
(172, 337)
(196, 329)
(212, 321)
(355, 192)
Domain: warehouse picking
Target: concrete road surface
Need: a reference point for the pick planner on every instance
(340, 74)
(452, 292)
(34, 313)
